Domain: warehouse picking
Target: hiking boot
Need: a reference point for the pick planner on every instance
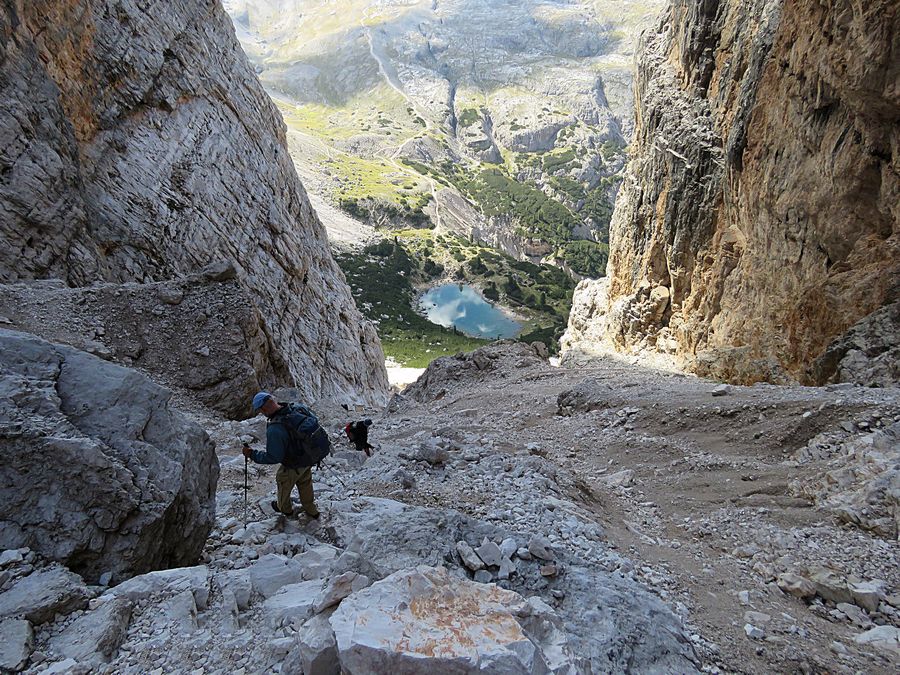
(277, 510)
(314, 515)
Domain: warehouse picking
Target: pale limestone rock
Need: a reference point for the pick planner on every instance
(43, 594)
(15, 644)
(339, 587)
(238, 583)
(316, 649)
(468, 556)
(490, 553)
(540, 547)
(97, 634)
(317, 561)
(425, 618)
(271, 572)
(166, 582)
(886, 638)
(795, 585)
(293, 602)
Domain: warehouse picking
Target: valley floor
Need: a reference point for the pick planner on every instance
(708, 497)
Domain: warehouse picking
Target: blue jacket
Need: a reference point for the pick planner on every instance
(277, 440)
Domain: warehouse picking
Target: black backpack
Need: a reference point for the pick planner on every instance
(309, 442)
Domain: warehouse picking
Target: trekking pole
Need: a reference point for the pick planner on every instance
(246, 484)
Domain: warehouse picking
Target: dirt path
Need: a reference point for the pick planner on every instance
(696, 490)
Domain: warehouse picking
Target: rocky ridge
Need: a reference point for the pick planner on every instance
(757, 221)
(145, 158)
(748, 529)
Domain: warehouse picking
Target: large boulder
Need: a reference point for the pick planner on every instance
(426, 619)
(41, 596)
(97, 472)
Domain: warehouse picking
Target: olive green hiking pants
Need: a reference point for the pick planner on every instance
(286, 479)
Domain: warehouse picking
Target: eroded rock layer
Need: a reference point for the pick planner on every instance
(759, 218)
(136, 144)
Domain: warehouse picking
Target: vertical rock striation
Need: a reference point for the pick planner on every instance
(136, 144)
(758, 221)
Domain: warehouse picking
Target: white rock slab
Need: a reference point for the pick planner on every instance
(271, 572)
(292, 602)
(15, 644)
(95, 635)
(425, 620)
(168, 582)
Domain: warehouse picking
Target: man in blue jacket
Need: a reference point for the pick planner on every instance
(277, 451)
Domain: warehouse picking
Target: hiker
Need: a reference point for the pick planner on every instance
(358, 434)
(295, 440)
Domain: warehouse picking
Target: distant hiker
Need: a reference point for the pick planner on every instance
(358, 434)
(296, 440)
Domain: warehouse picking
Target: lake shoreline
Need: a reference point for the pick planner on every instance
(425, 310)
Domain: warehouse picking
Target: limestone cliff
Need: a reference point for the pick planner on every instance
(136, 144)
(759, 217)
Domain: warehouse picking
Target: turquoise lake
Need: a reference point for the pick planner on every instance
(463, 307)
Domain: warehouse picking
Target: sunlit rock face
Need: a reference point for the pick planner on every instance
(762, 197)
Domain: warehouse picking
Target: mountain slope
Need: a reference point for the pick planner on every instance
(758, 221)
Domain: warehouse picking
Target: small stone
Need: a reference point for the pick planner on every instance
(540, 547)
(508, 547)
(868, 594)
(794, 584)
(507, 569)
(753, 632)
(490, 553)
(549, 570)
(105, 578)
(523, 554)
(484, 577)
(9, 557)
(721, 390)
(468, 556)
(744, 597)
(755, 618)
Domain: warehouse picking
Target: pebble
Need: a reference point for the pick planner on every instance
(753, 632)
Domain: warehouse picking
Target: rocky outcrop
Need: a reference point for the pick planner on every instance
(139, 146)
(97, 472)
(200, 334)
(455, 625)
(869, 352)
(762, 196)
